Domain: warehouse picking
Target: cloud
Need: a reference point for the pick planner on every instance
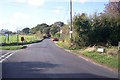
(19, 17)
(30, 2)
(82, 1)
(58, 10)
(20, 1)
(35, 2)
(18, 20)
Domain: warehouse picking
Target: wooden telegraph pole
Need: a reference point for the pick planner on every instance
(70, 22)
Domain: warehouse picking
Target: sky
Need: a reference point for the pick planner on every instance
(18, 14)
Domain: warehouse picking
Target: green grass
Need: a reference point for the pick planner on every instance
(102, 59)
(2, 39)
(29, 39)
(11, 47)
(110, 61)
(63, 45)
(13, 38)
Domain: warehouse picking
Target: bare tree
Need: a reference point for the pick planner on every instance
(113, 7)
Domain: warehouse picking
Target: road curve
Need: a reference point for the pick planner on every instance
(46, 60)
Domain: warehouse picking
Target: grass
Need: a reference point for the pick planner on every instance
(12, 43)
(110, 61)
(102, 59)
(11, 47)
(63, 45)
(13, 38)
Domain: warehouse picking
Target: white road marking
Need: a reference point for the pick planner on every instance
(7, 56)
(4, 55)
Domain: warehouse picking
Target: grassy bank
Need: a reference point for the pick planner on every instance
(12, 47)
(104, 59)
(15, 46)
(99, 58)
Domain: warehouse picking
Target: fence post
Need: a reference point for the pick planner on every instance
(118, 46)
(119, 60)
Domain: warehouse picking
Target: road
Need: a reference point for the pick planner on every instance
(46, 60)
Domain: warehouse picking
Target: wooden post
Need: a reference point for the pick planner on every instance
(119, 46)
(70, 23)
(8, 37)
(17, 39)
(119, 58)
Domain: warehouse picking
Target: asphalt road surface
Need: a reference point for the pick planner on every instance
(46, 60)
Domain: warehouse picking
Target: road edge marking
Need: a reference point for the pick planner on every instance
(9, 54)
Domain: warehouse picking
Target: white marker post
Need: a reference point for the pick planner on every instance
(119, 46)
(6, 37)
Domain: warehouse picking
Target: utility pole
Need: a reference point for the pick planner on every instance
(70, 22)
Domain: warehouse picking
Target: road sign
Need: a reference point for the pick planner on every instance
(71, 32)
(100, 50)
(61, 31)
(6, 35)
(22, 38)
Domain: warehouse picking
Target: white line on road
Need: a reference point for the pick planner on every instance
(4, 55)
(8, 55)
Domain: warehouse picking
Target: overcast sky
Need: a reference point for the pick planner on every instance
(17, 14)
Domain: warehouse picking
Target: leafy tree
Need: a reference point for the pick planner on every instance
(46, 31)
(59, 24)
(43, 28)
(54, 30)
(26, 30)
(81, 27)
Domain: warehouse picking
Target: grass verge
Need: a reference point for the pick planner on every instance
(15, 46)
(109, 61)
(60, 44)
(12, 47)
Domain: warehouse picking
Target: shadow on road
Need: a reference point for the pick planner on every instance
(38, 70)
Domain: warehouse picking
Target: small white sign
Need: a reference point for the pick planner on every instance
(61, 31)
(6, 35)
(118, 45)
(100, 50)
(71, 32)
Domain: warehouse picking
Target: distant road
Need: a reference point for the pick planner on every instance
(46, 60)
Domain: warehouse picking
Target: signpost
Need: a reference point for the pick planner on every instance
(17, 39)
(22, 39)
(100, 50)
(6, 37)
(119, 46)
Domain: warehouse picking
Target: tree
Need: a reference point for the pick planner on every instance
(54, 30)
(112, 8)
(26, 30)
(59, 24)
(81, 28)
(46, 31)
(43, 28)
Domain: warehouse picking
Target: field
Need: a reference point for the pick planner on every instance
(13, 38)
(11, 42)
